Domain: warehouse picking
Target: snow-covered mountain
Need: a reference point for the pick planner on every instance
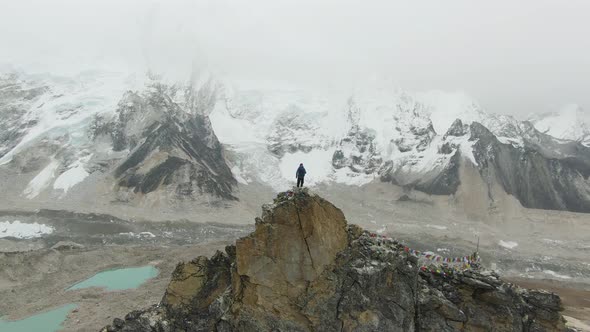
(418, 141)
(570, 123)
(134, 140)
(110, 136)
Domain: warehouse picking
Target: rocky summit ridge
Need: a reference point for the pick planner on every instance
(305, 269)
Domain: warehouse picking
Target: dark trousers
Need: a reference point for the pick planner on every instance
(299, 182)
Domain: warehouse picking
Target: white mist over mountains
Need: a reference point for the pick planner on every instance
(513, 58)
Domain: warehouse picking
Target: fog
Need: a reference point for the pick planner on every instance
(513, 57)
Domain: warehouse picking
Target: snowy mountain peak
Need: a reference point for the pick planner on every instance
(571, 122)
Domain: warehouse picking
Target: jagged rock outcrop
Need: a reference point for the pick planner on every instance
(357, 152)
(305, 269)
(280, 264)
(413, 127)
(538, 170)
(457, 128)
(437, 174)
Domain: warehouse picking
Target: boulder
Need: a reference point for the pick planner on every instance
(66, 245)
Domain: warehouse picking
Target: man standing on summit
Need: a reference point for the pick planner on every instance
(300, 174)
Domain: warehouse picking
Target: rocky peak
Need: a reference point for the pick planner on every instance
(171, 144)
(413, 127)
(305, 269)
(295, 241)
(311, 232)
(479, 131)
(457, 129)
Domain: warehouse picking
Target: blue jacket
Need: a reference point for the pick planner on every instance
(300, 172)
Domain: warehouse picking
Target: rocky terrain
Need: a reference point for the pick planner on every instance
(111, 162)
(305, 269)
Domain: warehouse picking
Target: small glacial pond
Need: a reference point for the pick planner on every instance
(49, 321)
(119, 279)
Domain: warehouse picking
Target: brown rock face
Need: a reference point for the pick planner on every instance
(291, 246)
(304, 269)
(195, 290)
(294, 242)
(197, 283)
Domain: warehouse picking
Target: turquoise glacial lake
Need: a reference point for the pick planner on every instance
(112, 280)
(49, 321)
(119, 279)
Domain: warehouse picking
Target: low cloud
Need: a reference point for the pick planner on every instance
(513, 57)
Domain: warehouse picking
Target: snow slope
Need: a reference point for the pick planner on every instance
(570, 122)
(68, 105)
(74, 175)
(42, 180)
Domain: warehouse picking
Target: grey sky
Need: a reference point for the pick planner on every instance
(512, 56)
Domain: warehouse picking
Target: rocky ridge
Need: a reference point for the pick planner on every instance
(305, 269)
(170, 143)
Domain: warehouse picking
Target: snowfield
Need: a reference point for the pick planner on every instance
(42, 180)
(556, 275)
(21, 230)
(76, 174)
(508, 244)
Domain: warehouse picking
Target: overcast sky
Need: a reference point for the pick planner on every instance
(512, 56)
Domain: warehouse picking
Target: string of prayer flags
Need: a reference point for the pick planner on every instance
(465, 261)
